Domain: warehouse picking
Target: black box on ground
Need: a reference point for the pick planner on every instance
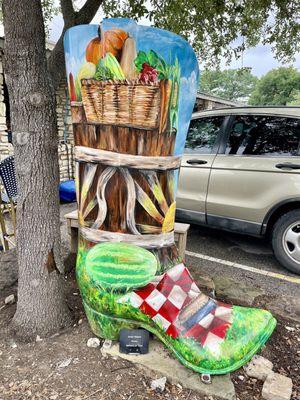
(134, 341)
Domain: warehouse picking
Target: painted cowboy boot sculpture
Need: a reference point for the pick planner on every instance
(132, 91)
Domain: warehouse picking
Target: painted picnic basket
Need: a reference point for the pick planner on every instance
(125, 102)
(118, 94)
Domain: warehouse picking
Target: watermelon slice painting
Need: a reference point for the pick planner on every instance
(120, 266)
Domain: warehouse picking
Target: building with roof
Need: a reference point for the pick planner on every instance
(207, 101)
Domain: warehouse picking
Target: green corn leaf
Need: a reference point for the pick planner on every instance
(91, 205)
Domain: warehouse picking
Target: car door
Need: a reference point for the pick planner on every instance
(201, 147)
(258, 169)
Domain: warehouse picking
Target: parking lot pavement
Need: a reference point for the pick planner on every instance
(211, 252)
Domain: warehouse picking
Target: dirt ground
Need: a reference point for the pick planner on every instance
(64, 368)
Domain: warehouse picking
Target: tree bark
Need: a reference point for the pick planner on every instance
(41, 307)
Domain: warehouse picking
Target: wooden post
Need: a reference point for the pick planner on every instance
(3, 228)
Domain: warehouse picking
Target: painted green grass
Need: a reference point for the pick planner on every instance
(250, 329)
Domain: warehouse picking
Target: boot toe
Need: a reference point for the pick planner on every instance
(249, 330)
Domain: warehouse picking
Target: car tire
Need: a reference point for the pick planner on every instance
(286, 240)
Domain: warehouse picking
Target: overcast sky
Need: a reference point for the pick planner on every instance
(259, 58)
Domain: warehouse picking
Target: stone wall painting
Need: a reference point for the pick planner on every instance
(132, 90)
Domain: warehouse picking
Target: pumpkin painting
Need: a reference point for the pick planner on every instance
(113, 42)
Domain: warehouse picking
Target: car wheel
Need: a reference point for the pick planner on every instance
(286, 240)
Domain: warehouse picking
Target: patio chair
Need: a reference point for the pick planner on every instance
(8, 200)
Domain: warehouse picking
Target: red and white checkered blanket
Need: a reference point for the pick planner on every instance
(177, 305)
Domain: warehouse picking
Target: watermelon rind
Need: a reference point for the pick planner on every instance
(120, 266)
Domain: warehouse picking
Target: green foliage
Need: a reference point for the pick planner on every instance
(103, 73)
(213, 26)
(280, 86)
(50, 9)
(154, 60)
(296, 99)
(230, 84)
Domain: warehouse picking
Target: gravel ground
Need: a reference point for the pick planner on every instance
(64, 368)
(36, 371)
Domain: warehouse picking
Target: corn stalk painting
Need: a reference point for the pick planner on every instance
(132, 204)
(160, 210)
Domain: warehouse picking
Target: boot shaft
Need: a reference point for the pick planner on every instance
(129, 133)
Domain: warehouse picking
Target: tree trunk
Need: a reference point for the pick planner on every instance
(41, 307)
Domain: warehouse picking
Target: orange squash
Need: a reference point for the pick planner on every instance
(113, 42)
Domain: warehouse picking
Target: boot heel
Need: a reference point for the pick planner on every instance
(105, 326)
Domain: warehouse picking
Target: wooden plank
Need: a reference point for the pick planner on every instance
(72, 218)
(126, 140)
(181, 227)
(129, 146)
(112, 159)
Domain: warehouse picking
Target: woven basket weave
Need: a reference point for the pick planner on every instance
(127, 103)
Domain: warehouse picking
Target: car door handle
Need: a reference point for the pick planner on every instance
(287, 166)
(194, 161)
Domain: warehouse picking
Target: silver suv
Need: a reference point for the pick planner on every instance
(241, 172)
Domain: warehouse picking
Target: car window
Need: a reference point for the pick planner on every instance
(202, 135)
(264, 135)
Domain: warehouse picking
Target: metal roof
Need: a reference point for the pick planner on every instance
(217, 99)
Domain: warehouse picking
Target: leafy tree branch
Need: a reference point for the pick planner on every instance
(71, 18)
(215, 27)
